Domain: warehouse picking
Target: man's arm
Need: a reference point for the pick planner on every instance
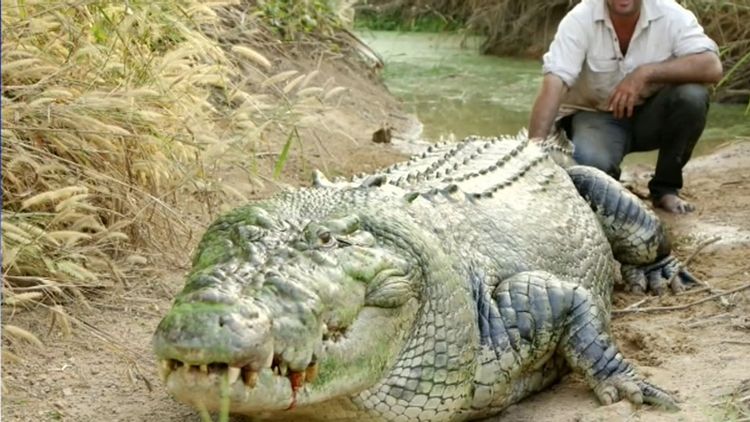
(694, 68)
(546, 106)
(561, 67)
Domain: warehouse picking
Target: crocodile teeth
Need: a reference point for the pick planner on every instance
(165, 369)
(233, 374)
(249, 377)
(311, 372)
(297, 379)
(204, 369)
(269, 361)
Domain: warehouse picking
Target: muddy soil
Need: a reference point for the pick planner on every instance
(105, 370)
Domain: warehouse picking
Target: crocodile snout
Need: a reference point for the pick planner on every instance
(212, 332)
(215, 341)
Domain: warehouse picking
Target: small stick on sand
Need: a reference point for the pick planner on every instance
(690, 258)
(710, 320)
(679, 307)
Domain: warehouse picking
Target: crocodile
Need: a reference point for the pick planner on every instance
(443, 288)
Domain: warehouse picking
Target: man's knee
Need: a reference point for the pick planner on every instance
(596, 157)
(691, 98)
(600, 141)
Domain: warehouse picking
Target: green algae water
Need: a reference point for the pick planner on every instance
(451, 88)
(455, 91)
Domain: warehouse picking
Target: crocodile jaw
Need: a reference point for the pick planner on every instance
(257, 392)
(353, 363)
(273, 353)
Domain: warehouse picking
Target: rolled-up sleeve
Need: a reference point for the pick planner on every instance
(567, 51)
(691, 39)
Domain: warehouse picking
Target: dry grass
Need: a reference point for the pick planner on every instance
(514, 28)
(727, 23)
(92, 135)
(735, 407)
(118, 119)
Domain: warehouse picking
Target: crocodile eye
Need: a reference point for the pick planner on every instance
(325, 238)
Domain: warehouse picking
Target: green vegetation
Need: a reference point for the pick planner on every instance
(119, 119)
(292, 19)
(394, 22)
(413, 15)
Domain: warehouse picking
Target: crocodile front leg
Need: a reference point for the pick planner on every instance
(588, 347)
(637, 236)
(530, 321)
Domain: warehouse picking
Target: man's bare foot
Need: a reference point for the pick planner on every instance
(674, 204)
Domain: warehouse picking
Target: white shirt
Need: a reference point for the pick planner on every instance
(586, 55)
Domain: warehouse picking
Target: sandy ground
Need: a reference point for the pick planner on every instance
(105, 371)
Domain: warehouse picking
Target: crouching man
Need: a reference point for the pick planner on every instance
(623, 76)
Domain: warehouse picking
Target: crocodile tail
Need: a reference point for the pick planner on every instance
(636, 234)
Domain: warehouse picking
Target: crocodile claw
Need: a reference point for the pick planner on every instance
(635, 391)
(656, 396)
(657, 277)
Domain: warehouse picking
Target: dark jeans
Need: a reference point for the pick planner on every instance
(671, 121)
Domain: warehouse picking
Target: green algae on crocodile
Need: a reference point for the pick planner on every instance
(444, 288)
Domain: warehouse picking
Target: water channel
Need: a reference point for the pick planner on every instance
(455, 91)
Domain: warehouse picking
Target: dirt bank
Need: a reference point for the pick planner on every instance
(105, 370)
(337, 140)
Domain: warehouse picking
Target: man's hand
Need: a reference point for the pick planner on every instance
(627, 92)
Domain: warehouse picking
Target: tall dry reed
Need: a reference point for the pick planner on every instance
(728, 23)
